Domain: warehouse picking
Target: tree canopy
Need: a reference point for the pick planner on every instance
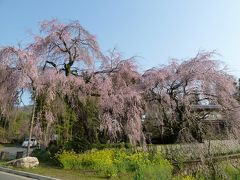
(105, 96)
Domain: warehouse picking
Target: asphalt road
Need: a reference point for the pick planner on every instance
(8, 176)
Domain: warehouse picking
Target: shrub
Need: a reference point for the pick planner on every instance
(186, 178)
(154, 166)
(78, 145)
(153, 172)
(162, 168)
(68, 160)
(231, 171)
(112, 145)
(101, 161)
(53, 148)
(110, 162)
(42, 155)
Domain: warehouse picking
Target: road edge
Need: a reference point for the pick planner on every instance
(26, 174)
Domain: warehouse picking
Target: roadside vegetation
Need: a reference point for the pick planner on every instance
(122, 163)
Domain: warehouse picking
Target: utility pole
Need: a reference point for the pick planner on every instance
(31, 123)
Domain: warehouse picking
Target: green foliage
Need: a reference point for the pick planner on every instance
(225, 170)
(2, 134)
(66, 120)
(112, 145)
(185, 178)
(231, 171)
(45, 156)
(53, 148)
(91, 109)
(42, 155)
(110, 162)
(154, 167)
(16, 129)
(77, 145)
(158, 172)
(100, 161)
(70, 127)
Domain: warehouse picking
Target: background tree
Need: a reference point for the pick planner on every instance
(174, 89)
(12, 82)
(24, 64)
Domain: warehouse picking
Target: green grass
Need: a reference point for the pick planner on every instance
(52, 171)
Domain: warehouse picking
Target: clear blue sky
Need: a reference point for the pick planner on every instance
(156, 30)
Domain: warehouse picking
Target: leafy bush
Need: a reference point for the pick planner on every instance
(186, 178)
(80, 145)
(42, 155)
(110, 162)
(231, 171)
(77, 145)
(53, 148)
(101, 161)
(112, 145)
(151, 166)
